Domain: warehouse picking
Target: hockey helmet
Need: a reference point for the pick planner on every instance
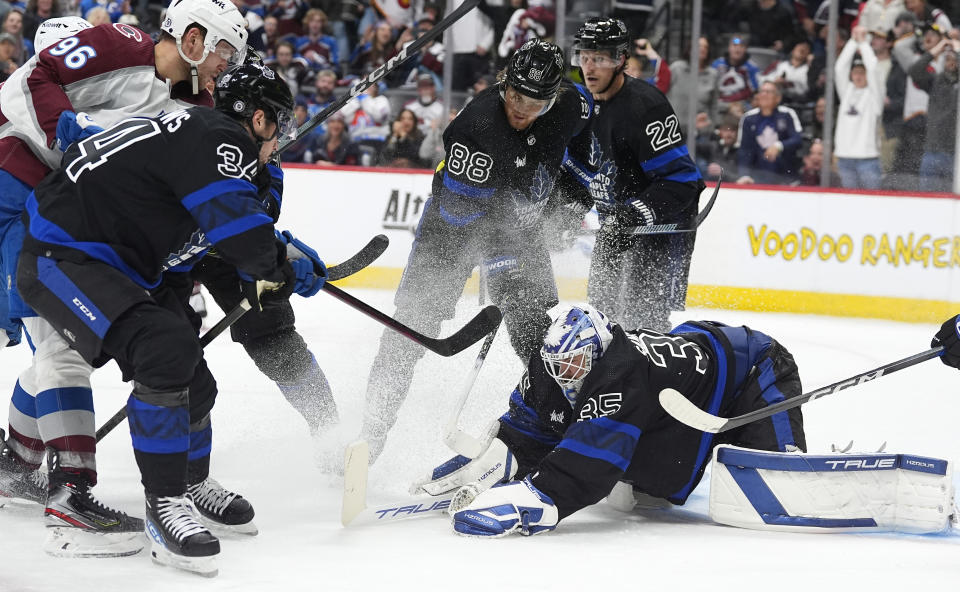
(241, 90)
(602, 34)
(536, 69)
(220, 18)
(54, 30)
(577, 337)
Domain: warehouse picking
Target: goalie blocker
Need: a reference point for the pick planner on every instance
(830, 493)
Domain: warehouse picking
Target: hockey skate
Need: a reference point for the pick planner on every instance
(222, 510)
(78, 525)
(177, 538)
(19, 484)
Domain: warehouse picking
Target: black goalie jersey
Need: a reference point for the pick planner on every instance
(498, 175)
(144, 190)
(631, 149)
(616, 429)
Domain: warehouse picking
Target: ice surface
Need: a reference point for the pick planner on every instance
(262, 449)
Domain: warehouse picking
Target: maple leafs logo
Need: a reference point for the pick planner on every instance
(529, 206)
(596, 154)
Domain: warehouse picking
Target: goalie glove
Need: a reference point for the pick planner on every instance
(949, 337)
(505, 508)
(73, 127)
(496, 464)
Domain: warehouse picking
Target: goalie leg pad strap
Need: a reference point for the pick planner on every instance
(830, 493)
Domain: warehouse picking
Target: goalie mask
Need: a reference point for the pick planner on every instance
(577, 337)
(241, 90)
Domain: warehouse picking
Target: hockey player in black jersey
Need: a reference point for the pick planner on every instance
(632, 164)
(503, 154)
(100, 231)
(585, 416)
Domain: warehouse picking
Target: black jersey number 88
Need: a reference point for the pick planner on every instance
(475, 165)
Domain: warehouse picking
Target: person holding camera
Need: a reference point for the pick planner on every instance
(936, 167)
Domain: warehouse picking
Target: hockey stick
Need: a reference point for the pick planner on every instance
(458, 440)
(686, 412)
(364, 257)
(391, 65)
(480, 325)
(358, 261)
(677, 228)
(224, 323)
(355, 511)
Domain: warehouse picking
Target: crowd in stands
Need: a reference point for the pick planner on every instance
(760, 80)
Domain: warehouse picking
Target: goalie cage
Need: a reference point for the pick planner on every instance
(792, 491)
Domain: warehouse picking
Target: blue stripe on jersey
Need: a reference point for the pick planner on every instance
(69, 398)
(216, 190)
(238, 226)
(604, 439)
(23, 401)
(158, 430)
(580, 172)
(771, 394)
(72, 297)
(200, 443)
(666, 158)
(706, 440)
(48, 232)
(467, 190)
(527, 421)
(458, 220)
(684, 176)
(673, 165)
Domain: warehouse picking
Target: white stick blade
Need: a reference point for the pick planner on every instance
(356, 458)
(463, 443)
(680, 407)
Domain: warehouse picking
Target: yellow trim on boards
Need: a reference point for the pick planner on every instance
(730, 298)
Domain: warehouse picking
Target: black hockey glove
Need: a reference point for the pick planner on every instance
(949, 337)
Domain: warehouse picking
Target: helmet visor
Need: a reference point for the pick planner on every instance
(286, 126)
(229, 54)
(568, 367)
(597, 59)
(527, 106)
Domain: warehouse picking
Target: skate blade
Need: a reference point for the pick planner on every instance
(77, 543)
(219, 529)
(202, 566)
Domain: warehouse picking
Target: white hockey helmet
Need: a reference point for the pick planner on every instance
(577, 337)
(53, 30)
(220, 18)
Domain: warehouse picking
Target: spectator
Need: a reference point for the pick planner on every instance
(499, 13)
(536, 21)
(815, 13)
(472, 39)
(771, 25)
(98, 15)
(892, 118)
(36, 12)
(861, 104)
(13, 25)
(653, 68)
(302, 149)
(265, 38)
(682, 80)
(323, 84)
(318, 48)
(8, 48)
(720, 153)
(812, 168)
(403, 146)
(817, 74)
(335, 146)
(376, 49)
(289, 14)
(880, 15)
(634, 14)
(736, 75)
(906, 51)
(367, 115)
(819, 118)
(426, 106)
(114, 9)
(791, 76)
(430, 59)
(398, 13)
(936, 168)
(432, 150)
(768, 140)
(928, 17)
(294, 70)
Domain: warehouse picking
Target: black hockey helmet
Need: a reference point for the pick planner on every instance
(243, 89)
(602, 34)
(536, 70)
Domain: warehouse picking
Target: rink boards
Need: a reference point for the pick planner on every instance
(761, 248)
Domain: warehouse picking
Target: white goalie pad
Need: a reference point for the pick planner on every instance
(793, 491)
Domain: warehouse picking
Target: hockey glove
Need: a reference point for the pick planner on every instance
(505, 508)
(308, 268)
(634, 212)
(949, 337)
(73, 127)
(495, 465)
